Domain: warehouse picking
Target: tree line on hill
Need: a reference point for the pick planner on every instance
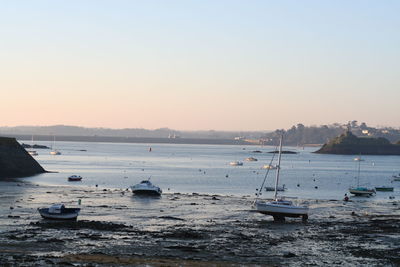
(300, 135)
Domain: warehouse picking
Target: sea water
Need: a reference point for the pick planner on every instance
(205, 169)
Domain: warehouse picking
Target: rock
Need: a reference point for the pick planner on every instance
(15, 161)
(289, 255)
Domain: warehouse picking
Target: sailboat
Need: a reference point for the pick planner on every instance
(359, 190)
(280, 208)
(54, 151)
(32, 152)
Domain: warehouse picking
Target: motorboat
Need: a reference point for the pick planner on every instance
(384, 188)
(396, 177)
(251, 159)
(145, 187)
(59, 212)
(278, 188)
(236, 163)
(74, 178)
(358, 159)
(279, 208)
(359, 190)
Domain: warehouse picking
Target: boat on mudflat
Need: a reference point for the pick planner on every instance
(75, 178)
(362, 191)
(59, 212)
(145, 187)
(236, 163)
(279, 208)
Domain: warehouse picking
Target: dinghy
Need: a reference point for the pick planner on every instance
(59, 212)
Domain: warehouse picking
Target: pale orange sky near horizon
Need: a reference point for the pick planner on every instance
(190, 65)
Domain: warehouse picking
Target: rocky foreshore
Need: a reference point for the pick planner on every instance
(116, 229)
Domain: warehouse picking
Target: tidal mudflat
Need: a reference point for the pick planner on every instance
(116, 228)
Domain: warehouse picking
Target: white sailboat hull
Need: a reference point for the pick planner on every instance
(281, 210)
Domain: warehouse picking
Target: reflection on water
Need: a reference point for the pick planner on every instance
(206, 169)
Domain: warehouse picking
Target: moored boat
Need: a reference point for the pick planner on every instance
(362, 191)
(74, 178)
(59, 212)
(384, 188)
(270, 167)
(145, 187)
(236, 163)
(359, 190)
(251, 159)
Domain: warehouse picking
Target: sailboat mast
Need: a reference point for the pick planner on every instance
(279, 168)
(358, 172)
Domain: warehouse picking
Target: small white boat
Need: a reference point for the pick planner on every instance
(251, 159)
(280, 208)
(236, 163)
(270, 167)
(55, 152)
(396, 177)
(74, 178)
(59, 212)
(358, 159)
(145, 187)
(32, 153)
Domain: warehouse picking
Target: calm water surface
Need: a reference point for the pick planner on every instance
(203, 169)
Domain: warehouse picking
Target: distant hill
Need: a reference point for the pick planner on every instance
(66, 130)
(349, 144)
(15, 161)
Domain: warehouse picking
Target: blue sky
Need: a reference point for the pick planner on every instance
(191, 65)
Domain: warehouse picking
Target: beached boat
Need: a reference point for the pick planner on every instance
(59, 212)
(145, 187)
(359, 190)
(384, 188)
(251, 159)
(236, 163)
(280, 208)
(74, 178)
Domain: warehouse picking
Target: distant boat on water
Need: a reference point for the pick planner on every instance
(236, 163)
(251, 159)
(32, 152)
(270, 167)
(54, 151)
(384, 188)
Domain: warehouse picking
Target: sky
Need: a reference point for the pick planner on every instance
(199, 65)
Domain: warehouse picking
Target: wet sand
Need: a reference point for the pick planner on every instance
(116, 229)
